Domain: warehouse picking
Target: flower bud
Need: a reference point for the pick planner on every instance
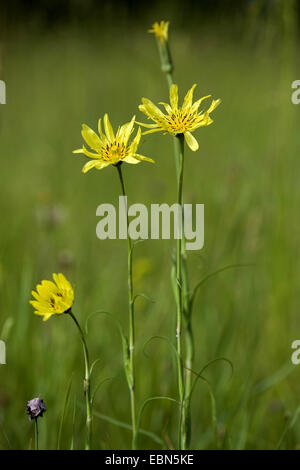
(35, 408)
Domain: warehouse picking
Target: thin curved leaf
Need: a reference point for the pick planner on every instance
(199, 374)
(288, 427)
(212, 403)
(141, 294)
(98, 387)
(102, 312)
(127, 426)
(143, 406)
(93, 365)
(173, 348)
(125, 345)
(211, 275)
(66, 401)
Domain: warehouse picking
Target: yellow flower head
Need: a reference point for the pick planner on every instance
(178, 120)
(110, 149)
(160, 30)
(53, 297)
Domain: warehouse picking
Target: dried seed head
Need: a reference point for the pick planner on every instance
(35, 408)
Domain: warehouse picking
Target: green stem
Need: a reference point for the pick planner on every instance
(180, 156)
(168, 67)
(189, 346)
(131, 381)
(87, 385)
(36, 430)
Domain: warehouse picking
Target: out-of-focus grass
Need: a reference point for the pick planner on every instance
(246, 174)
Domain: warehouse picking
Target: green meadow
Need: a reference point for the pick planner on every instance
(246, 173)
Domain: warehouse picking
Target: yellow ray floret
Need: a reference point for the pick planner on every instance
(108, 148)
(178, 120)
(53, 298)
(160, 30)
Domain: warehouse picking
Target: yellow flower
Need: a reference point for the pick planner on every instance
(110, 148)
(53, 298)
(160, 30)
(178, 120)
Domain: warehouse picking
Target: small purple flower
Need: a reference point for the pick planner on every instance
(35, 408)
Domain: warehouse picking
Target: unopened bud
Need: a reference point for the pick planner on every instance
(35, 408)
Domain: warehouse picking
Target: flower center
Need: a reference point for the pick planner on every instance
(53, 301)
(115, 152)
(179, 122)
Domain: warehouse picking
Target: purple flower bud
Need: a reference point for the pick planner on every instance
(35, 408)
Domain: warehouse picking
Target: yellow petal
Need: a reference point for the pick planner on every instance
(134, 144)
(204, 120)
(126, 131)
(174, 97)
(47, 316)
(151, 110)
(46, 288)
(159, 129)
(89, 154)
(35, 304)
(166, 106)
(91, 138)
(197, 103)
(213, 105)
(131, 160)
(48, 285)
(35, 295)
(44, 302)
(61, 282)
(103, 137)
(40, 313)
(191, 141)
(188, 99)
(94, 164)
(151, 126)
(86, 152)
(108, 129)
(143, 159)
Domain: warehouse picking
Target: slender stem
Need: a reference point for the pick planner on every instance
(87, 384)
(179, 271)
(36, 429)
(168, 67)
(180, 155)
(131, 383)
(190, 351)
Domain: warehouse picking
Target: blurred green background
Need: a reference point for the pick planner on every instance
(65, 69)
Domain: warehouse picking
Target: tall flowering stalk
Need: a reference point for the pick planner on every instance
(87, 384)
(35, 409)
(161, 32)
(115, 149)
(167, 67)
(179, 122)
(130, 363)
(55, 298)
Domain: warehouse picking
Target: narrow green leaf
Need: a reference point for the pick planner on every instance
(66, 401)
(127, 426)
(288, 427)
(209, 276)
(164, 338)
(73, 425)
(144, 404)
(141, 294)
(98, 387)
